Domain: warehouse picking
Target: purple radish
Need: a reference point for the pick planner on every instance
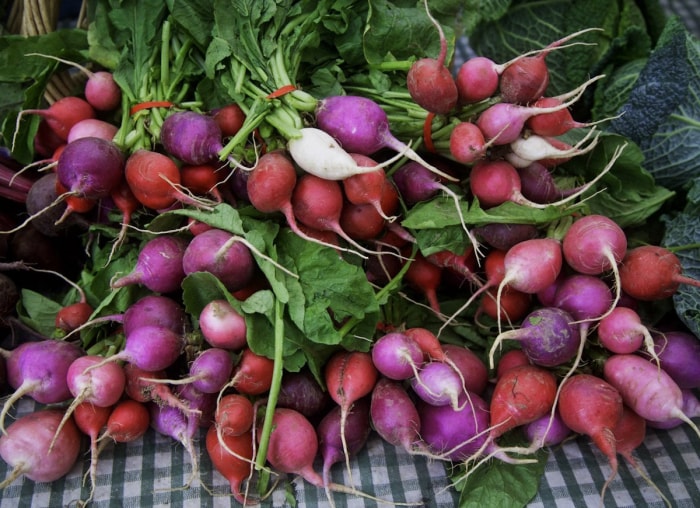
(548, 430)
(537, 184)
(154, 310)
(679, 355)
(547, 336)
(360, 125)
(90, 167)
(397, 356)
(302, 392)
(690, 406)
(170, 421)
(209, 371)
(621, 331)
(502, 236)
(223, 255)
(38, 370)
(159, 265)
(438, 384)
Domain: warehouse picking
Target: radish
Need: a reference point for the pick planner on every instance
(202, 179)
(648, 390)
(595, 244)
(90, 167)
(621, 331)
(158, 266)
(154, 310)
(26, 447)
(124, 201)
(394, 416)
(154, 179)
(531, 266)
(222, 254)
(547, 430)
(90, 420)
(234, 414)
(454, 435)
(209, 371)
(232, 457)
(471, 367)
(330, 442)
(503, 236)
(193, 138)
(546, 336)
(511, 359)
(511, 306)
(92, 128)
(101, 91)
(467, 143)
(526, 79)
(591, 406)
(229, 118)
(128, 421)
(361, 222)
(60, 116)
(373, 188)
(652, 272)
(302, 392)
(223, 326)
(529, 148)
(252, 374)
(360, 125)
(349, 376)
(396, 356)
(429, 81)
(139, 388)
(425, 276)
(438, 384)
(38, 370)
(678, 353)
(170, 421)
(691, 407)
(537, 184)
(91, 380)
(556, 123)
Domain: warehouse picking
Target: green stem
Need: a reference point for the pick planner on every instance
(273, 393)
(165, 57)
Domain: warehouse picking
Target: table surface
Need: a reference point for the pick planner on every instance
(150, 471)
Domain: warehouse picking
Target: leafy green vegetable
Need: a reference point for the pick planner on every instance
(662, 112)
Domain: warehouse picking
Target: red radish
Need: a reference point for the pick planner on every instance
(373, 188)
(511, 306)
(232, 456)
(72, 316)
(361, 222)
(318, 203)
(90, 167)
(92, 127)
(91, 380)
(621, 331)
(128, 421)
(202, 179)
(222, 254)
(38, 370)
(158, 266)
(648, 390)
(471, 366)
(359, 125)
(252, 374)
(526, 79)
(90, 420)
(154, 179)
(396, 356)
(270, 186)
(467, 143)
(223, 326)
(234, 414)
(463, 265)
(26, 447)
(510, 359)
(61, 115)
(652, 272)
(477, 79)
(591, 406)
(74, 203)
(429, 81)
(425, 276)
(229, 118)
(125, 201)
(556, 123)
(349, 376)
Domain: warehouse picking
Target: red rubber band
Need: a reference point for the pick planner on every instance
(149, 104)
(281, 91)
(428, 133)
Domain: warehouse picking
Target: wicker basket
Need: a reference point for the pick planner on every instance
(37, 17)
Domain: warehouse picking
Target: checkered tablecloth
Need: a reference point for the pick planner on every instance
(150, 471)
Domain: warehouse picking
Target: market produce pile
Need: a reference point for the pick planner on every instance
(295, 224)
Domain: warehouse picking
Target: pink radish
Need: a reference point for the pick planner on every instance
(61, 115)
